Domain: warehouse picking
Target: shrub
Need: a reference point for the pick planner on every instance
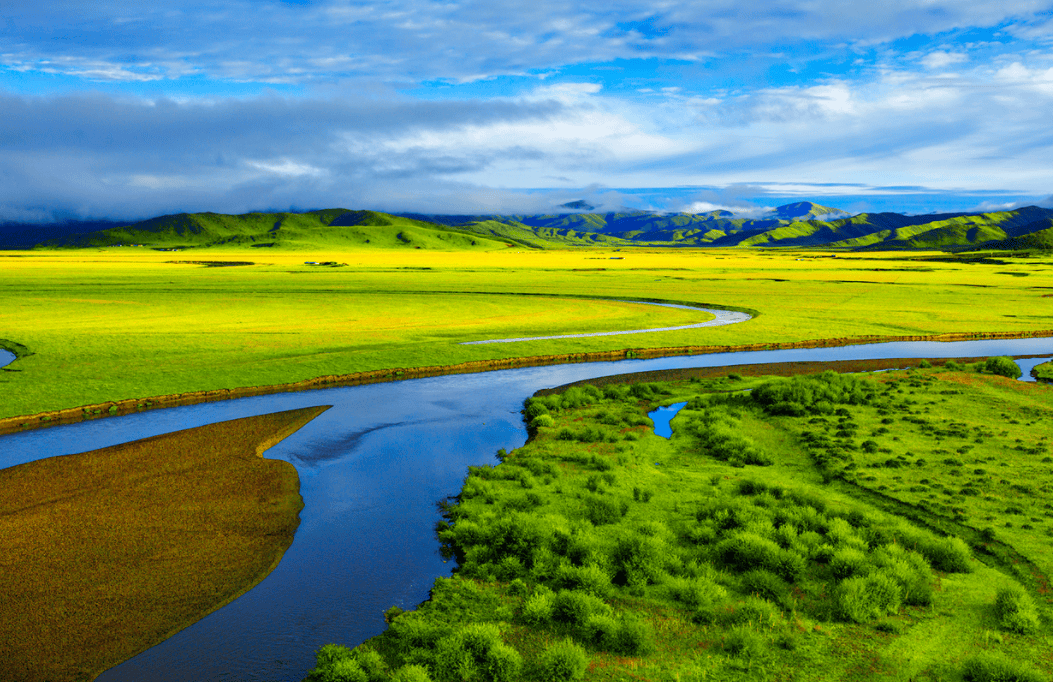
(542, 420)
(949, 554)
(411, 673)
(864, 598)
(743, 642)
(752, 610)
(1015, 610)
(335, 663)
(538, 607)
(372, 664)
(563, 662)
(848, 562)
(632, 637)
(503, 663)
(910, 570)
(602, 510)
(990, 666)
(638, 559)
(571, 606)
(745, 550)
(477, 647)
(1003, 366)
(696, 593)
(599, 630)
(535, 408)
(767, 585)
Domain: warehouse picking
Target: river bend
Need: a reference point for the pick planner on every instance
(371, 470)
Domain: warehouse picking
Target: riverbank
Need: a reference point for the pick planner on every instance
(842, 538)
(131, 405)
(117, 549)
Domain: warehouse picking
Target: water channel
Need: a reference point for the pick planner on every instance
(6, 357)
(371, 470)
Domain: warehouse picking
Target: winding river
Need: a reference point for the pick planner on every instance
(371, 470)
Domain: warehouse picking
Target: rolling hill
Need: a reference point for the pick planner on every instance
(800, 225)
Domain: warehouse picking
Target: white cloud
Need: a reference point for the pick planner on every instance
(940, 59)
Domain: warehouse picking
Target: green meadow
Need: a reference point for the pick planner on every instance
(98, 325)
(893, 526)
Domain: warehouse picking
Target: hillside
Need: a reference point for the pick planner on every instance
(800, 225)
(331, 228)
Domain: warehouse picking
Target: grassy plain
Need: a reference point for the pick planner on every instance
(109, 552)
(128, 322)
(897, 526)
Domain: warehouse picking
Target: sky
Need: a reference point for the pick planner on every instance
(122, 110)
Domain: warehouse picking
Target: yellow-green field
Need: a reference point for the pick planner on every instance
(109, 552)
(127, 323)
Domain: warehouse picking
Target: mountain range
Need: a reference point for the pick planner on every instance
(801, 225)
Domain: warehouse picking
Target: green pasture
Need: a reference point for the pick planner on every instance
(818, 528)
(107, 324)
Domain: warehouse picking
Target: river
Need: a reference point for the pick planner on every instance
(371, 470)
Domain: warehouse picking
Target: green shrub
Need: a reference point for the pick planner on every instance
(1003, 366)
(411, 673)
(602, 510)
(535, 407)
(766, 585)
(599, 629)
(632, 637)
(847, 562)
(372, 664)
(503, 663)
(1016, 610)
(990, 666)
(474, 651)
(752, 611)
(910, 570)
(542, 420)
(562, 662)
(745, 550)
(864, 598)
(571, 606)
(743, 642)
(538, 607)
(638, 559)
(335, 663)
(948, 554)
(696, 593)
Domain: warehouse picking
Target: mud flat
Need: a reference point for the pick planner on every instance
(109, 552)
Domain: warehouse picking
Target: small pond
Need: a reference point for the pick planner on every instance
(661, 418)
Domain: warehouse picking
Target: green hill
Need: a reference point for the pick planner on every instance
(800, 225)
(331, 228)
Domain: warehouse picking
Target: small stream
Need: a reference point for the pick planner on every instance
(371, 471)
(6, 357)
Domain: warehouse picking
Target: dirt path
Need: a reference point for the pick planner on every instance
(721, 318)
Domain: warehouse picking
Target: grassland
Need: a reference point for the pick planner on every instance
(895, 526)
(99, 325)
(109, 552)
(1044, 372)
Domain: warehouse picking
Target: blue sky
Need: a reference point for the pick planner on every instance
(127, 110)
